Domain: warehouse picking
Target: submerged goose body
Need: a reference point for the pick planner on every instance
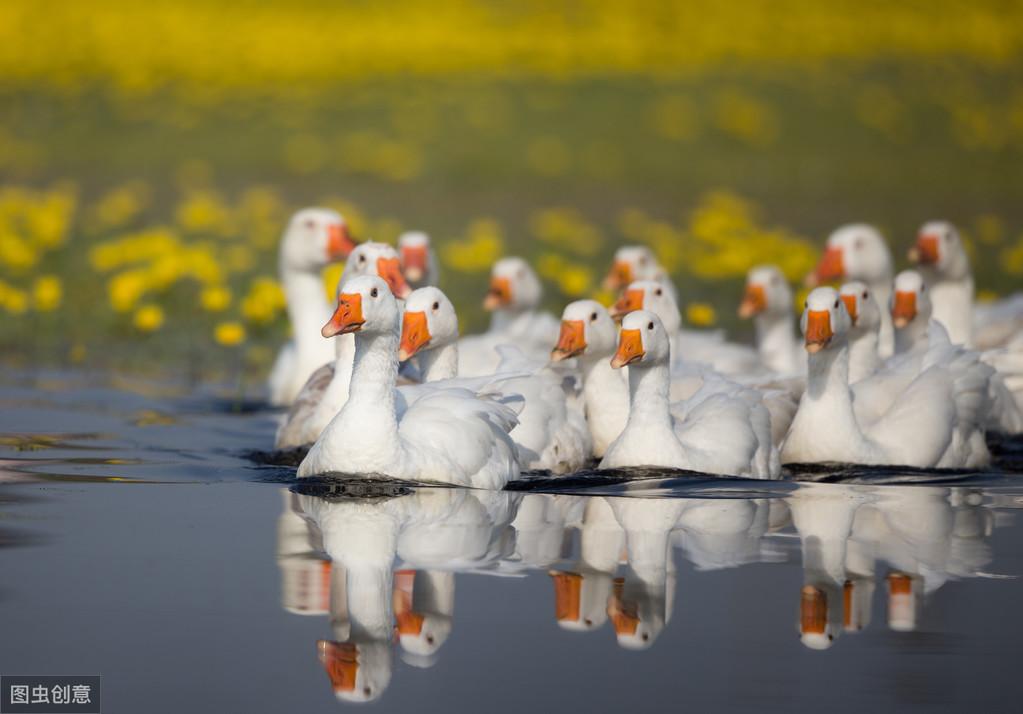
(551, 433)
(654, 437)
(932, 422)
(326, 390)
(448, 435)
(514, 302)
(314, 237)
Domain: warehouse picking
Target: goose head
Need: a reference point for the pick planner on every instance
(824, 319)
(854, 252)
(652, 296)
(377, 259)
(315, 237)
(643, 340)
(816, 629)
(767, 292)
(632, 262)
(910, 302)
(939, 247)
(863, 309)
(414, 247)
(358, 672)
(586, 329)
(580, 599)
(365, 305)
(513, 286)
(429, 321)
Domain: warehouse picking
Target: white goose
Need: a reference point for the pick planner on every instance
(865, 314)
(768, 300)
(691, 346)
(448, 435)
(858, 252)
(418, 261)
(514, 302)
(326, 390)
(637, 262)
(654, 437)
(314, 237)
(551, 433)
(930, 424)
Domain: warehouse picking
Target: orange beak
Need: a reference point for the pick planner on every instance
(619, 276)
(571, 340)
(623, 617)
(850, 307)
(831, 267)
(813, 611)
(499, 295)
(339, 242)
(567, 592)
(414, 260)
(630, 348)
(818, 330)
(903, 308)
(630, 301)
(900, 584)
(926, 250)
(341, 661)
(408, 621)
(754, 301)
(390, 270)
(347, 317)
(415, 334)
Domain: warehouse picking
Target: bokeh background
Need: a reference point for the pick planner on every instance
(150, 153)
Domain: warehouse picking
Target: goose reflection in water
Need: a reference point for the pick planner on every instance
(383, 568)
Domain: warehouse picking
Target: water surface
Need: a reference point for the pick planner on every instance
(139, 541)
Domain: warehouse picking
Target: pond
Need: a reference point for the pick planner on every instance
(140, 541)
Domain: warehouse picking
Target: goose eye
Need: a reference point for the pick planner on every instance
(923, 288)
(593, 317)
(865, 295)
(641, 261)
(858, 244)
(836, 304)
(650, 326)
(436, 306)
(373, 292)
(362, 259)
(310, 223)
(367, 691)
(658, 292)
(806, 305)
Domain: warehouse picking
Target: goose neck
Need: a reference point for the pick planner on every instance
(649, 387)
(439, 363)
(863, 356)
(307, 307)
(775, 339)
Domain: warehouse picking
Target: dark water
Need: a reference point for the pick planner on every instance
(138, 541)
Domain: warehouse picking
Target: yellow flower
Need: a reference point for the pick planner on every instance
(701, 314)
(481, 247)
(331, 278)
(125, 289)
(215, 298)
(148, 318)
(47, 293)
(229, 333)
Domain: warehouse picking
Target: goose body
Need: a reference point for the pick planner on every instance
(551, 433)
(326, 390)
(654, 437)
(516, 319)
(932, 422)
(314, 237)
(449, 435)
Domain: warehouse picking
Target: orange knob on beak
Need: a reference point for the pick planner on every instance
(818, 330)
(567, 596)
(390, 270)
(754, 301)
(571, 340)
(630, 301)
(926, 250)
(813, 611)
(347, 317)
(851, 307)
(499, 295)
(903, 308)
(414, 260)
(341, 661)
(415, 334)
(619, 276)
(339, 241)
(831, 267)
(630, 348)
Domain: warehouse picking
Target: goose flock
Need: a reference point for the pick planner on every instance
(892, 369)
